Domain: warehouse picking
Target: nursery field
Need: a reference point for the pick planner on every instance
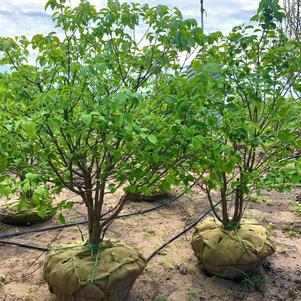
(173, 274)
(151, 150)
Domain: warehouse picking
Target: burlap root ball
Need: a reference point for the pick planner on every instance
(70, 277)
(156, 196)
(11, 216)
(231, 254)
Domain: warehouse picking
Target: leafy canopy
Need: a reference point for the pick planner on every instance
(253, 77)
(95, 110)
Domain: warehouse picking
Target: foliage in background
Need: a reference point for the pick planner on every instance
(21, 171)
(292, 22)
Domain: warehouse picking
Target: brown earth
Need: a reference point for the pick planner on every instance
(174, 274)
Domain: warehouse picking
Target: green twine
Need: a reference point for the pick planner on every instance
(232, 226)
(241, 244)
(95, 249)
(235, 226)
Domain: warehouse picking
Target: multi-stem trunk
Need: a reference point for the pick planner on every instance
(238, 204)
(94, 228)
(93, 203)
(224, 204)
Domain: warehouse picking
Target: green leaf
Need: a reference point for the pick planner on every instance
(119, 121)
(3, 163)
(131, 188)
(62, 218)
(30, 128)
(152, 139)
(298, 144)
(87, 118)
(197, 142)
(42, 211)
(5, 190)
(69, 205)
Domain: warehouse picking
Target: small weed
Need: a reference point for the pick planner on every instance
(270, 227)
(297, 208)
(254, 281)
(28, 296)
(282, 249)
(168, 264)
(264, 218)
(292, 233)
(249, 215)
(290, 230)
(161, 297)
(261, 199)
(3, 281)
(191, 294)
(148, 232)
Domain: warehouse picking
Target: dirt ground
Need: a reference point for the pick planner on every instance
(174, 274)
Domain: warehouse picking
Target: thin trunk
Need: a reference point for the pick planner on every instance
(241, 204)
(92, 205)
(90, 223)
(235, 218)
(212, 205)
(224, 201)
(29, 194)
(94, 225)
(202, 14)
(239, 200)
(96, 235)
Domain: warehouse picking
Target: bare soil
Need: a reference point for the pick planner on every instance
(174, 274)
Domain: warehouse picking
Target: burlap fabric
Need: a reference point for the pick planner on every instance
(156, 196)
(73, 275)
(231, 253)
(11, 216)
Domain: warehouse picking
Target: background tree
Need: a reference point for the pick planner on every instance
(18, 160)
(292, 22)
(254, 120)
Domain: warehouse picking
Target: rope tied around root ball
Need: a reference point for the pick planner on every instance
(95, 249)
(234, 226)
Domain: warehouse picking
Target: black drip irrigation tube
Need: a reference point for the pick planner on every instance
(154, 253)
(27, 246)
(185, 230)
(43, 229)
(34, 247)
(82, 222)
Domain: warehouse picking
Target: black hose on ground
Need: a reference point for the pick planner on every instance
(195, 223)
(43, 229)
(14, 234)
(34, 247)
(186, 229)
(27, 246)
(81, 222)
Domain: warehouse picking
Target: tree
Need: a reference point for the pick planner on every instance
(254, 119)
(97, 111)
(292, 22)
(18, 160)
